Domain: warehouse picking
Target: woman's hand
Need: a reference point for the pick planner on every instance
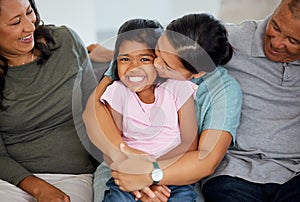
(136, 162)
(43, 191)
(52, 194)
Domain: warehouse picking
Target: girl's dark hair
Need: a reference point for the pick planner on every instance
(139, 30)
(201, 42)
(42, 39)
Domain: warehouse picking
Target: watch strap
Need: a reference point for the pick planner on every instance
(155, 165)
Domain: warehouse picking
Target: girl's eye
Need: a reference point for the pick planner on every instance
(145, 59)
(124, 59)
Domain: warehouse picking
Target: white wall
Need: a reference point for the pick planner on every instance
(112, 13)
(98, 20)
(236, 11)
(77, 14)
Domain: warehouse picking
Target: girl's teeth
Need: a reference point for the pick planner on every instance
(136, 78)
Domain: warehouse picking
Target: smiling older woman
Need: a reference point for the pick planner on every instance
(40, 69)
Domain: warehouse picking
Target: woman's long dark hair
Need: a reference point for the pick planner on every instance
(42, 39)
(201, 40)
(140, 30)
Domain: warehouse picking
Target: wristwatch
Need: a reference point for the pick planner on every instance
(157, 174)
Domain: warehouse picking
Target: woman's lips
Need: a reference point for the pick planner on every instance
(27, 39)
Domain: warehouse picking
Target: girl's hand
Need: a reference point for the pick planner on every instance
(162, 194)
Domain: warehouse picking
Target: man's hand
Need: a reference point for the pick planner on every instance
(99, 54)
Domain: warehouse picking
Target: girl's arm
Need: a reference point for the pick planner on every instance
(117, 118)
(188, 130)
(100, 125)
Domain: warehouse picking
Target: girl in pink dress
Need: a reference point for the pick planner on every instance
(148, 111)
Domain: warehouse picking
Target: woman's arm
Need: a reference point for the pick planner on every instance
(190, 168)
(188, 130)
(195, 165)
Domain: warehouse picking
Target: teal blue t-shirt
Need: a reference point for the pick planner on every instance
(218, 101)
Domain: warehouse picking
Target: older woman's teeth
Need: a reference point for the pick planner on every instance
(26, 38)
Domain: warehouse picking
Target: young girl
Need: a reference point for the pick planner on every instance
(148, 112)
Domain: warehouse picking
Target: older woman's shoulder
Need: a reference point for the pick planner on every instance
(60, 31)
(64, 35)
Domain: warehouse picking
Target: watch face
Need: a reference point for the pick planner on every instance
(157, 175)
